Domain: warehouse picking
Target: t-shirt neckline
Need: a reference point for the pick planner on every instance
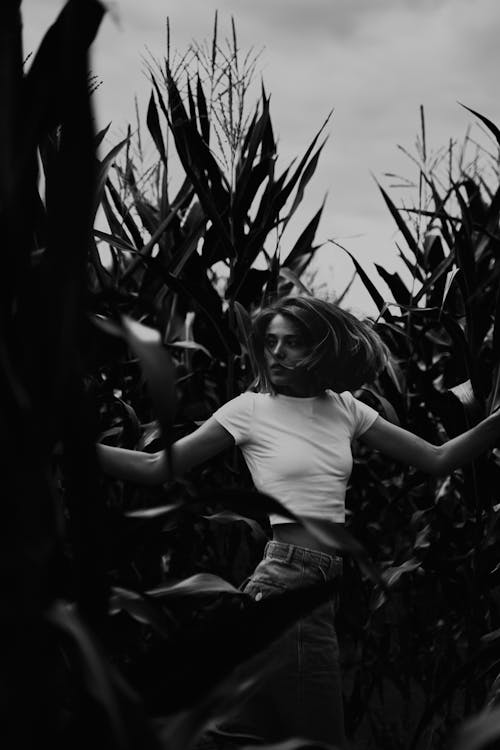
(296, 399)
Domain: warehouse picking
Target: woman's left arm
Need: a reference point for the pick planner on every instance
(438, 460)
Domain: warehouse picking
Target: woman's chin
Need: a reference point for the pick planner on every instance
(279, 378)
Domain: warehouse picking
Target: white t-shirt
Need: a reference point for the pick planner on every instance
(298, 449)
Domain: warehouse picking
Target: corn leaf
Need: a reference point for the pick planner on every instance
(480, 732)
(388, 409)
(489, 124)
(395, 283)
(125, 215)
(189, 345)
(140, 608)
(370, 286)
(153, 123)
(449, 281)
(104, 166)
(402, 226)
(332, 535)
(200, 584)
(117, 242)
(118, 703)
(304, 243)
(473, 408)
(158, 371)
(203, 118)
(304, 181)
(290, 276)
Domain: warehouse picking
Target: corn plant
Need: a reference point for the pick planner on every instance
(431, 651)
(167, 248)
(229, 206)
(66, 611)
(57, 687)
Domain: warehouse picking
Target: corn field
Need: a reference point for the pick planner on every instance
(122, 620)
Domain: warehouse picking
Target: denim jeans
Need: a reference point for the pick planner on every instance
(302, 697)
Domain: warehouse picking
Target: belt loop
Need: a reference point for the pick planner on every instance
(282, 550)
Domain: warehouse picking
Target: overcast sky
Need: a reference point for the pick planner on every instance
(373, 61)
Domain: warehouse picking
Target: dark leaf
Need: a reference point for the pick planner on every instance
(200, 584)
(290, 276)
(430, 282)
(202, 112)
(490, 125)
(389, 411)
(194, 293)
(184, 728)
(189, 345)
(153, 123)
(101, 135)
(481, 731)
(158, 371)
(330, 535)
(303, 166)
(244, 328)
(403, 227)
(304, 242)
(370, 286)
(121, 707)
(159, 511)
(44, 104)
(182, 669)
(140, 608)
(304, 181)
(473, 408)
(132, 427)
(449, 280)
(124, 213)
(114, 241)
(396, 285)
(104, 167)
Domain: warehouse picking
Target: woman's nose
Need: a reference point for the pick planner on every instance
(278, 351)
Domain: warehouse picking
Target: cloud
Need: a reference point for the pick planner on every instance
(373, 61)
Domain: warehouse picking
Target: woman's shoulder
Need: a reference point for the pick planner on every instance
(342, 398)
(244, 401)
(343, 403)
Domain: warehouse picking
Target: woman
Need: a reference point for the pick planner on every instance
(295, 430)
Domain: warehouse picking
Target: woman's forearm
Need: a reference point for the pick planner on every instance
(152, 468)
(464, 448)
(133, 466)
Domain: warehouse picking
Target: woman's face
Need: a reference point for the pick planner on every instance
(285, 347)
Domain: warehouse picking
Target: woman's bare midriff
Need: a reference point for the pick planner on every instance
(294, 533)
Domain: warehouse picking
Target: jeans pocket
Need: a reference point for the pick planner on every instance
(260, 588)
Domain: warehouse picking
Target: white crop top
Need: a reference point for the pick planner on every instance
(298, 449)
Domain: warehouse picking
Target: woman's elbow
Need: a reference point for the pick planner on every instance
(159, 471)
(438, 465)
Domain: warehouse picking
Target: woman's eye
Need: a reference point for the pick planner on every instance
(293, 343)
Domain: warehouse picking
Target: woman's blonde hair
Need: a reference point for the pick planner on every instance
(346, 352)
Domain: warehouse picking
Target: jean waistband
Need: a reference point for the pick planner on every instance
(291, 552)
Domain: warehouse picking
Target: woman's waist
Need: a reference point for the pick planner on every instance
(317, 540)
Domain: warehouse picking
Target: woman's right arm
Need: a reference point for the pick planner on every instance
(151, 468)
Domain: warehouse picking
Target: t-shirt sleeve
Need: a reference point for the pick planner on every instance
(236, 416)
(363, 416)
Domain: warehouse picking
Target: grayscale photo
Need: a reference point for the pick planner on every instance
(250, 365)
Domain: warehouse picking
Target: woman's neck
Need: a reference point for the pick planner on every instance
(296, 392)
